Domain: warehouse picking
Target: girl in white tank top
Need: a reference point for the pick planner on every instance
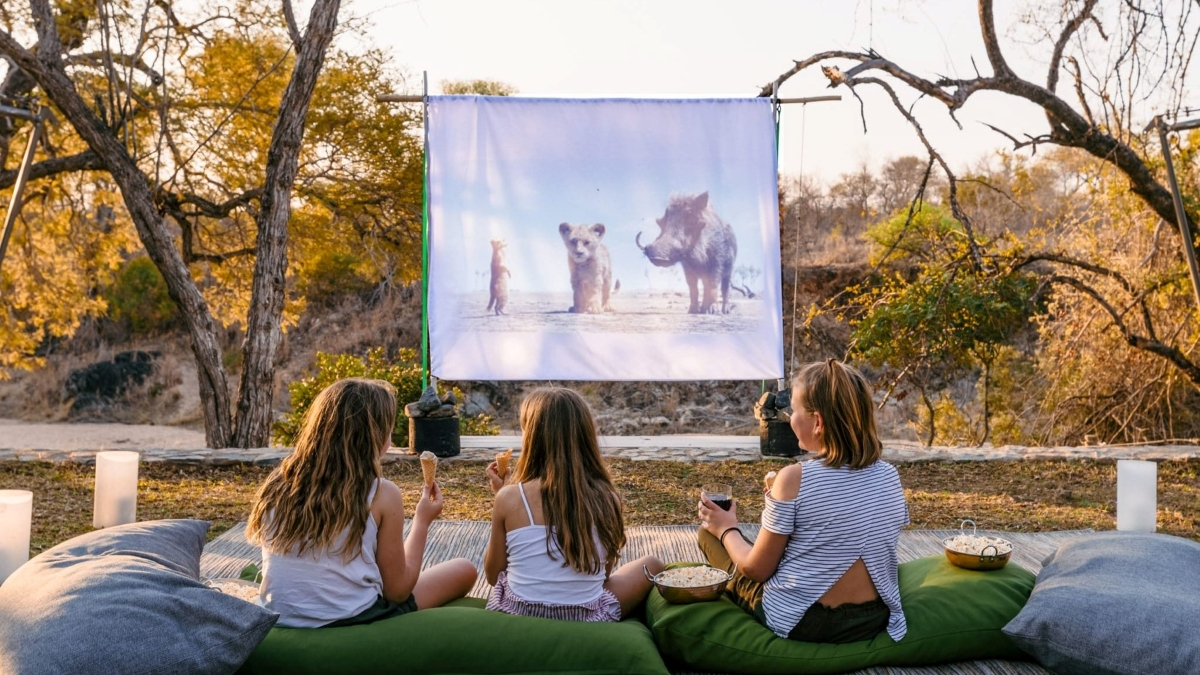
(332, 529)
(557, 531)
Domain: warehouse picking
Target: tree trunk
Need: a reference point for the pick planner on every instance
(987, 387)
(257, 389)
(47, 69)
(929, 407)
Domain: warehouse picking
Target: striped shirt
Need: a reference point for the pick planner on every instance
(839, 516)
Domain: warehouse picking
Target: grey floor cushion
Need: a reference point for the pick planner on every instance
(125, 599)
(1115, 603)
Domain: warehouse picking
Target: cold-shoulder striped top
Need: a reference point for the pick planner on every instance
(839, 516)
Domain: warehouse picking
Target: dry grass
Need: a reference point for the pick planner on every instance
(1015, 496)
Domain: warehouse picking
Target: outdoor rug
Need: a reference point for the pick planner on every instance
(226, 555)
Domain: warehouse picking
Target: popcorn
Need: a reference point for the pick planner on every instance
(247, 592)
(973, 544)
(691, 577)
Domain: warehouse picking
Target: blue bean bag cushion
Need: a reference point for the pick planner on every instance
(1115, 603)
(460, 638)
(125, 599)
(953, 615)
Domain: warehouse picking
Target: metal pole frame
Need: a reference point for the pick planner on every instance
(14, 202)
(1189, 244)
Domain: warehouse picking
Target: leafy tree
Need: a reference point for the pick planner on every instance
(139, 298)
(944, 319)
(1117, 55)
(227, 167)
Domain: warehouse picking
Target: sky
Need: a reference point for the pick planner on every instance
(715, 48)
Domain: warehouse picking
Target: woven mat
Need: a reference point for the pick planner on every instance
(226, 555)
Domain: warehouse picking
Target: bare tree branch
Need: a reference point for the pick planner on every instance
(1059, 45)
(289, 17)
(84, 161)
(1171, 354)
(987, 22)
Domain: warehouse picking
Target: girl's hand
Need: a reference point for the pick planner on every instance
(495, 480)
(430, 506)
(714, 518)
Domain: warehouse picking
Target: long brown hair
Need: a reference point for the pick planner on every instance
(843, 398)
(321, 489)
(561, 451)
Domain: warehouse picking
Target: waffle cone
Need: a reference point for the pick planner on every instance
(429, 466)
(769, 479)
(502, 460)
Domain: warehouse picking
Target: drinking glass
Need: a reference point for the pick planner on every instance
(719, 494)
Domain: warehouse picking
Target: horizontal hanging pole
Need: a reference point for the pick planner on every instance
(399, 98)
(1186, 124)
(405, 98)
(811, 99)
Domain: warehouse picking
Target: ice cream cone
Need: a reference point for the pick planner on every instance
(769, 479)
(429, 466)
(502, 460)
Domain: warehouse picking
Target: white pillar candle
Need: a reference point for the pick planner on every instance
(16, 517)
(1137, 495)
(116, 488)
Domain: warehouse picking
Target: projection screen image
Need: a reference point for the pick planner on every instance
(583, 239)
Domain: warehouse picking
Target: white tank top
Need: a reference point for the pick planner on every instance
(534, 576)
(318, 588)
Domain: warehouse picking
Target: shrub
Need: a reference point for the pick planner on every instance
(332, 274)
(404, 373)
(138, 298)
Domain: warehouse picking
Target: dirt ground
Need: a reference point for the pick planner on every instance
(632, 312)
(96, 436)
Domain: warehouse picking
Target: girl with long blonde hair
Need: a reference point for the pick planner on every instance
(557, 530)
(332, 528)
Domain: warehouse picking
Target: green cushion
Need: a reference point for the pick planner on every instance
(953, 615)
(460, 638)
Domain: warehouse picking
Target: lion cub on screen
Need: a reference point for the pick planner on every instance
(591, 268)
(499, 286)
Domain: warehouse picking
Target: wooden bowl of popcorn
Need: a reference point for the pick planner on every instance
(973, 551)
(687, 584)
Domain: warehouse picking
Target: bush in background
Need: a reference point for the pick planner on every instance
(404, 373)
(138, 299)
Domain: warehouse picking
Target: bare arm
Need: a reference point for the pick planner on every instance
(400, 560)
(495, 556)
(760, 560)
(388, 509)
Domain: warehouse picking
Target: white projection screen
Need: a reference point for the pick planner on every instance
(612, 239)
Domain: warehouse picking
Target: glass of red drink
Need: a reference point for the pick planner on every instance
(721, 495)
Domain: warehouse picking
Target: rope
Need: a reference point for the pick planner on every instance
(795, 260)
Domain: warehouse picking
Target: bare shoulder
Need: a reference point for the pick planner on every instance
(506, 498)
(787, 483)
(388, 497)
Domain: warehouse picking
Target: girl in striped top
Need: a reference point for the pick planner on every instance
(824, 566)
(557, 530)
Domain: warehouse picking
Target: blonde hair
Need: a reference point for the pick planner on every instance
(320, 490)
(841, 395)
(579, 499)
